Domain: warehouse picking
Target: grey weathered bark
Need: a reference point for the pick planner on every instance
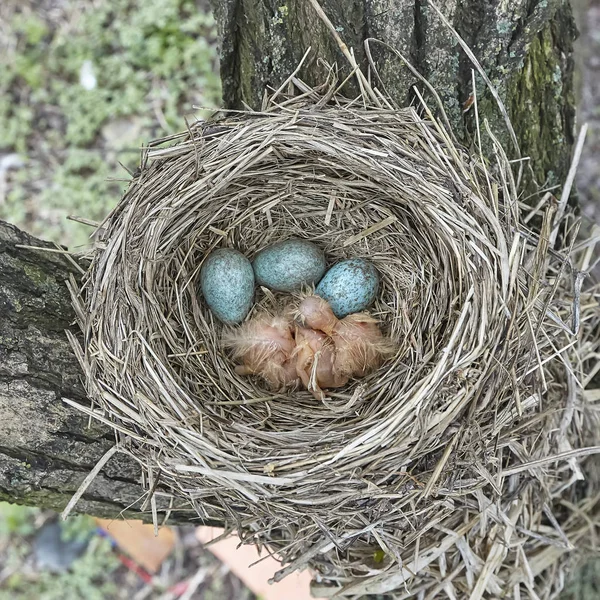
(46, 448)
(525, 47)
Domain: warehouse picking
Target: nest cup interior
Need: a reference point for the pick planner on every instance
(360, 467)
(330, 191)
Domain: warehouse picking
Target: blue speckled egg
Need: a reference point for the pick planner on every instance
(349, 286)
(287, 266)
(227, 283)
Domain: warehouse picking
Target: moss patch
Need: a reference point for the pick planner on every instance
(541, 101)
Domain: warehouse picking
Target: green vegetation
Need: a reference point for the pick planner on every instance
(16, 520)
(82, 93)
(89, 576)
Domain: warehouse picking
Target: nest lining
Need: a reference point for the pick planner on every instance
(437, 469)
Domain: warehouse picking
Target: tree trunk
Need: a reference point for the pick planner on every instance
(46, 447)
(524, 46)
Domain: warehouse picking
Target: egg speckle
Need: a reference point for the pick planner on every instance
(227, 283)
(287, 266)
(349, 286)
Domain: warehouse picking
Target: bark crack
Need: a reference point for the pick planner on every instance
(419, 36)
(48, 462)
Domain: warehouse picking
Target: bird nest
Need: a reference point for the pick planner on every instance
(458, 467)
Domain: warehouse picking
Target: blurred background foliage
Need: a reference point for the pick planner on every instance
(82, 85)
(44, 558)
(20, 578)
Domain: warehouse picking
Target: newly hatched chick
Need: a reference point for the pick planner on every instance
(315, 359)
(265, 346)
(314, 312)
(360, 347)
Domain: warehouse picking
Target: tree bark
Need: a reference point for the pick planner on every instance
(46, 447)
(524, 46)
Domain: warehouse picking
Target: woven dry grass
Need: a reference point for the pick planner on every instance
(459, 469)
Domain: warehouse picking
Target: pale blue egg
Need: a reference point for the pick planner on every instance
(227, 283)
(349, 286)
(289, 265)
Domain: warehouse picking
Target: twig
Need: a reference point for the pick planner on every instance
(87, 481)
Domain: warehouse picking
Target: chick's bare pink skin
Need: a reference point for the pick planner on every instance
(315, 359)
(265, 346)
(315, 312)
(360, 346)
(325, 352)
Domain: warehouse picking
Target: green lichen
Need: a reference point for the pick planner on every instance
(280, 15)
(537, 104)
(40, 498)
(37, 275)
(17, 304)
(504, 27)
(52, 500)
